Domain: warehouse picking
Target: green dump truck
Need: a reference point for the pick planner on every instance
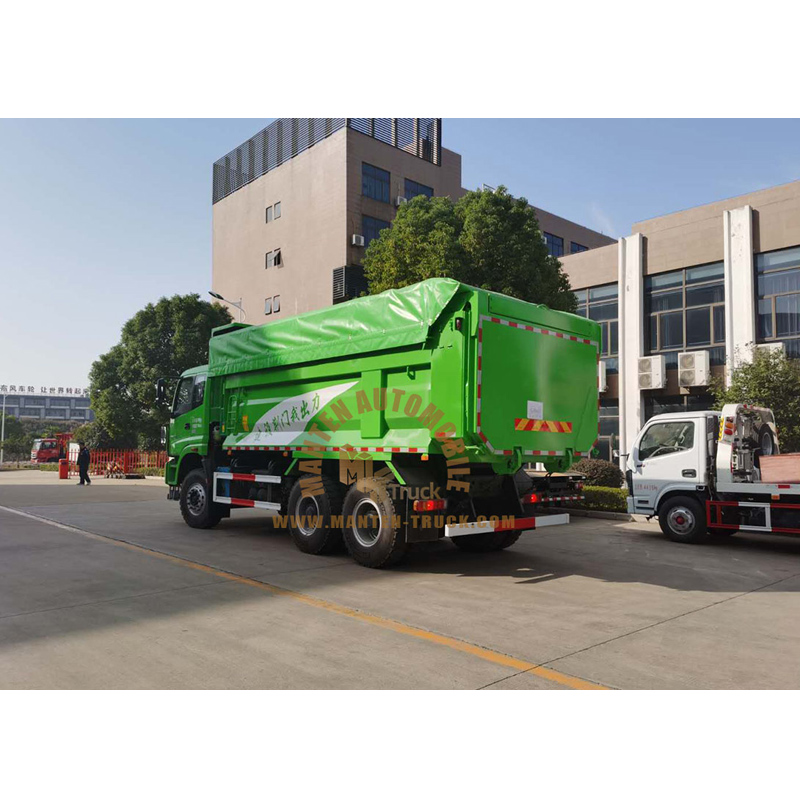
(404, 417)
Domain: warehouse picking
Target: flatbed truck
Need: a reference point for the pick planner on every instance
(714, 473)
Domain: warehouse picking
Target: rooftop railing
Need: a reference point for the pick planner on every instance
(286, 138)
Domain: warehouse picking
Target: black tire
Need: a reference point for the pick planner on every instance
(370, 534)
(197, 508)
(683, 519)
(310, 518)
(486, 542)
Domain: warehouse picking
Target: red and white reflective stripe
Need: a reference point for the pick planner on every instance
(516, 524)
(544, 452)
(238, 501)
(562, 497)
(248, 476)
(544, 331)
(306, 449)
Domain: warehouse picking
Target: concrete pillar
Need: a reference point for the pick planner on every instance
(740, 300)
(631, 339)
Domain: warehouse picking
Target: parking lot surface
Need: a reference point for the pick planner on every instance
(106, 587)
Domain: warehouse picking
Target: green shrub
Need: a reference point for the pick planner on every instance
(599, 472)
(48, 467)
(604, 498)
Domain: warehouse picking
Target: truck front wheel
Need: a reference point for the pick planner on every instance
(683, 519)
(197, 508)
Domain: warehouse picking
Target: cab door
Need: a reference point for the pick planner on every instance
(188, 427)
(668, 454)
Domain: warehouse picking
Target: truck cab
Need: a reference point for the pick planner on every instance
(186, 437)
(671, 454)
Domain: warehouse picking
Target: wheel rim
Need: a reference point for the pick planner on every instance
(307, 510)
(196, 499)
(681, 520)
(366, 524)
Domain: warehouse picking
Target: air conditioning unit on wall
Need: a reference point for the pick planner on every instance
(602, 382)
(358, 240)
(694, 369)
(772, 347)
(399, 200)
(652, 374)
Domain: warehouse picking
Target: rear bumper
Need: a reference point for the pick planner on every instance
(516, 524)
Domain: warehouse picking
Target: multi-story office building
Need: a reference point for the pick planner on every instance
(295, 207)
(710, 282)
(56, 405)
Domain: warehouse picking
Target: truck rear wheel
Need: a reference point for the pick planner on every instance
(486, 542)
(310, 516)
(683, 519)
(371, 531)
(197, 508)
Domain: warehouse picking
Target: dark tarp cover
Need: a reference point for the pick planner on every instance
(396, 318)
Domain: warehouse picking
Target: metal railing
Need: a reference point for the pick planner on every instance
(285, 138)
(119, 462)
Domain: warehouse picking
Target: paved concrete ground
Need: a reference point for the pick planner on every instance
(121, 594)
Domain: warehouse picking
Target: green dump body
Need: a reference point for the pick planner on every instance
(401, 371)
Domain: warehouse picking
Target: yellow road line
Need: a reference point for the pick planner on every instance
(484, 653)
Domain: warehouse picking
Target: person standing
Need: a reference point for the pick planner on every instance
(83, 464)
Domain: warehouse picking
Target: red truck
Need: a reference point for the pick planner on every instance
(50, 450)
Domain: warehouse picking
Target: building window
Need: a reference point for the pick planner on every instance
(414, 189)
(555, 244)
(274, 258)
(273, 212)
(778, 287)
(608, 430)
(371, 228)
(277, 210)
(600, 304)
(676, 404)
(269, 214)
(375, 183)
(685, 310)
(574, 247)
(272, 305)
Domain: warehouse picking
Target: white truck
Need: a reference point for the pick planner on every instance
(700, 472)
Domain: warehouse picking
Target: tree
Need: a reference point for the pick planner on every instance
(486, 239)
(17, 443)
(160, 341)
(769, 379)
(94, 436)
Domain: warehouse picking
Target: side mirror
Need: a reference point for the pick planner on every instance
(161, 391)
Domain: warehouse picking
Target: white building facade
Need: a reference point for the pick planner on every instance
(685, 296)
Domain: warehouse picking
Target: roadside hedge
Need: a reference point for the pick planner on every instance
(604, 498)
(599, 472)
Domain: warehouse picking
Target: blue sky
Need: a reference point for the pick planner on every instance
(98, 218)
